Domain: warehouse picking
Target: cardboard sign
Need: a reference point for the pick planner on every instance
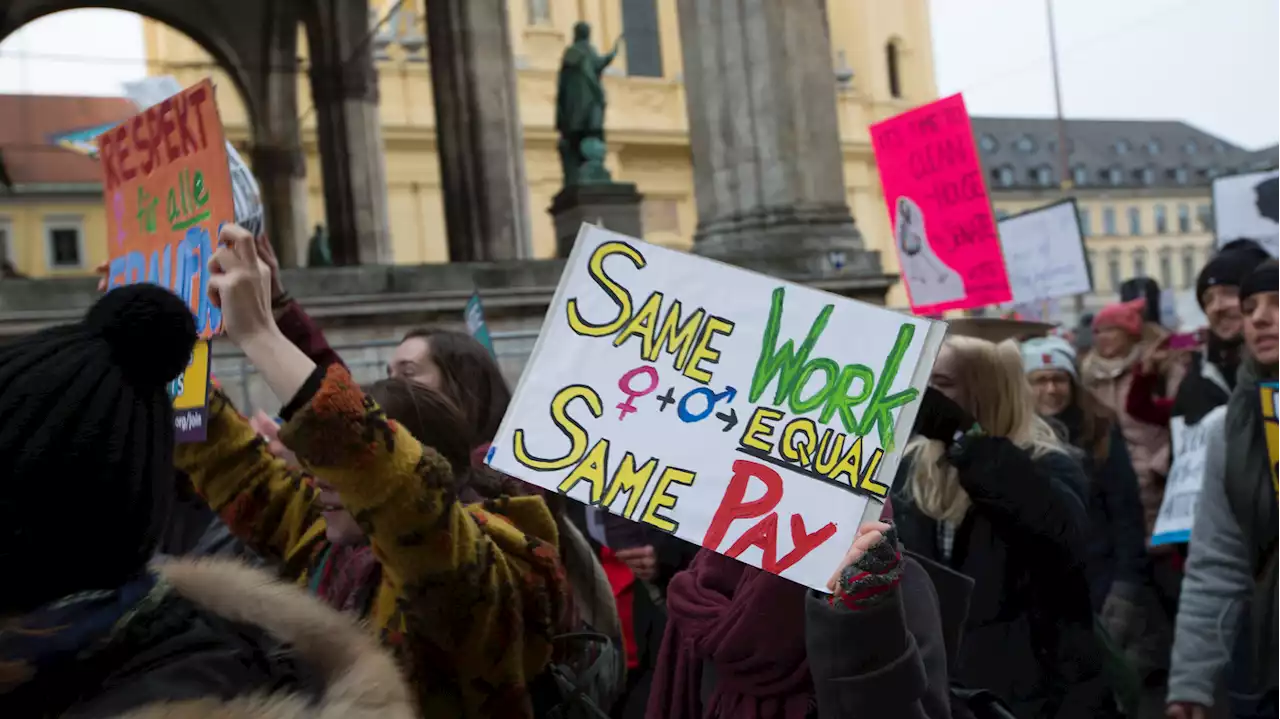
(1245, 207)
(744, 414)
(1044, 254)
(168, 190)
(1270, 410)
(943, 227)
(1186, 477)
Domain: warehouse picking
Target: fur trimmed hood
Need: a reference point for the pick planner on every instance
(360, 678)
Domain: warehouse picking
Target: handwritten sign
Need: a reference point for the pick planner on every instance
(1270, 410)
(1245, 207)
(750, 416)
(1186, 477)
(167, 189)
(943, 229)
(1044, 253)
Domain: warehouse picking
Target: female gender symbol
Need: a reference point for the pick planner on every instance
(632, 393)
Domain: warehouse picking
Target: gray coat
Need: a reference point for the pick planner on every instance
(1216, 587)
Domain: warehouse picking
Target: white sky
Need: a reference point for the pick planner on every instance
(1213, 64)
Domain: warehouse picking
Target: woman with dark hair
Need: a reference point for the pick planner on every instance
(458, 366)
(468, 596)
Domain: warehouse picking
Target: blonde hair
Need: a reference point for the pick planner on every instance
(993, 389)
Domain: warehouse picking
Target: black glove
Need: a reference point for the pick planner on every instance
(871, 578)
(941, 419)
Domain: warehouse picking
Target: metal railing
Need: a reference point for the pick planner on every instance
(367, 361)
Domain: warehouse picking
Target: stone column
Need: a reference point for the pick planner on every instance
(768, 166)
(478, 131)
(344, 89)
(276, 156)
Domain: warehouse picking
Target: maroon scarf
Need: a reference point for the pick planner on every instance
(750, 625)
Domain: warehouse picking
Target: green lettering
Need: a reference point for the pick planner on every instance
(882, 402)
(784, 360)
(843, 402)
(198, 190)
(828, 368)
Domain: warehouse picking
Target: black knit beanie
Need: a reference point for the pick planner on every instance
(1264, 278)
(1229, 266)
(86, 445)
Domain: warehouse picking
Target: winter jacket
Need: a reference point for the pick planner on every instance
(888, 660)
(469, 596)
(216, 638)
(1203, 389)
(1117, 551)
(1030, 632)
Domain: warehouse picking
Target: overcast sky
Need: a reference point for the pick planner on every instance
(1214, 64)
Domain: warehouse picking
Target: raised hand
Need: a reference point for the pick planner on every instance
(240, 285)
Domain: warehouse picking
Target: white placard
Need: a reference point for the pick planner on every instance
(1044, 254)
(739, 412)
(1186, 476)
(1244, 207)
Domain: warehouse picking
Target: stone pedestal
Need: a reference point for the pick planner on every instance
(344, 88)
(479, 136)
(768, 165)
(614, 206)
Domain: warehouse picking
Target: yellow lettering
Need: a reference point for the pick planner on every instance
(859, 476)
(642, 324)
(677, 338)
(593, 469)
(704, 352)
(868, 481)
(798, 452)
(577, 436)
(631, 480)
(621, 297)
(828, 455)
(661, 500)
(758, 429)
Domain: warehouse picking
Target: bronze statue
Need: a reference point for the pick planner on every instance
(580, 109)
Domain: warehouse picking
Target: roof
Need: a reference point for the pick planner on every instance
(1022, 152)
(28, 154)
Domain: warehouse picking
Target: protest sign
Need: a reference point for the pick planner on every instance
(943, 227)
(1270, 410)
(1186, 476)
(741, 413)
(474, 314)
(1044, 254)
(168, 190)
(1245, 206)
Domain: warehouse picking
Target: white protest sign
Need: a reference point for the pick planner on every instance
(1186, 476)
(1245, 207)
(739, 412)
(1044, 253)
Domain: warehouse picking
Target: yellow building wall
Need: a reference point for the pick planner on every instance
(647, 125)
(25, 220)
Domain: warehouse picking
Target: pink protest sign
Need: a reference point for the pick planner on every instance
(945, 236)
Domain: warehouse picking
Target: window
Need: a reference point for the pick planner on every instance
(1043, 175)
(1204, 216)
(1184, 219)
(1114, 176)
(1080, 175)
(1219, 147)
(539, 12)
(1188, 267)
(644, 42)
(1162, 220)
(1146, 175)
(1086, 222)
(1135, 221)
(1123, 147)
(1140, 262)
(1153, 147)
(988, 144)
(1025, 144)
(1180, 175)
(64, 241)
(1108, 220)
(1191, 147)
(1166, 268)
(891, 64)
(1113, 269)
(1004, 175)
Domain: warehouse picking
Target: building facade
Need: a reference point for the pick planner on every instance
(882, 64)
(1142, 189)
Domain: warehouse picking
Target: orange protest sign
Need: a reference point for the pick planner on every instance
(168, 190)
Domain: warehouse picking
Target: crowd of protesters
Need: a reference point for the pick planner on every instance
(355, 557)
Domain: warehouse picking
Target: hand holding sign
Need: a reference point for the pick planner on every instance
(241, 286)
